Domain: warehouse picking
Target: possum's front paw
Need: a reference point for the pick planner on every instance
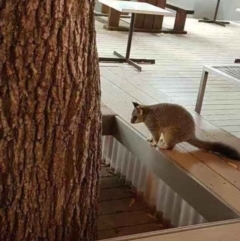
(153, 144)
(150, 139)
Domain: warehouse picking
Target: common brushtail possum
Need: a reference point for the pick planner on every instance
(176, 125)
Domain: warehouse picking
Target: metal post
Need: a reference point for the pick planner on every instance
(216, 11)
(129, 43)
(127, 59)
(201, 92)
(214, 20)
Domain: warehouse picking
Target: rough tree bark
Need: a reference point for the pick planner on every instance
(50, 120)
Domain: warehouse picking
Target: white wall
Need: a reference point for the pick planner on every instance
(206, 8)
(98, 6)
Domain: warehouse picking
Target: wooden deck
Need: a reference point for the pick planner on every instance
(121, 212)
(175, 78)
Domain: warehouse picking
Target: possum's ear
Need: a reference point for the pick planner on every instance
(139, 110)
(135, 104)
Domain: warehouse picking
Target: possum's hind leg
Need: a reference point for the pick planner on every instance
(162, 138)
(171, 138)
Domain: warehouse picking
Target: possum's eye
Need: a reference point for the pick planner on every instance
(134, 118)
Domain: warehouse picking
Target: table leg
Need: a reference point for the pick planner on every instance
(180, 21)
(113, 18)
(126, 58)
(129, 43)
(214, 20)
(216, 10)
(201, 92)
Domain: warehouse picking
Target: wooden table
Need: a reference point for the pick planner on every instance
(147, 23)
(214, 20)
(143, 22)
(133, 8)
(230, 73)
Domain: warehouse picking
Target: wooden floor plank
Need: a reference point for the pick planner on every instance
(105, 172)
(121, 205)
(223, 117)
(120, 211)
(125, 219)
(115, 193)
(111, 182)
(142, 228)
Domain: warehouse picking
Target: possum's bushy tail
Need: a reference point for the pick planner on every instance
(216, 147)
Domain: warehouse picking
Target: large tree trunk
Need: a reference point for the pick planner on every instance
(50, 120)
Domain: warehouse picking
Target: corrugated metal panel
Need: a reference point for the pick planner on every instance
(155, 192)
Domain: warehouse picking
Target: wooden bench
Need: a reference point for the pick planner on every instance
(181, 15)
(143, 22)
